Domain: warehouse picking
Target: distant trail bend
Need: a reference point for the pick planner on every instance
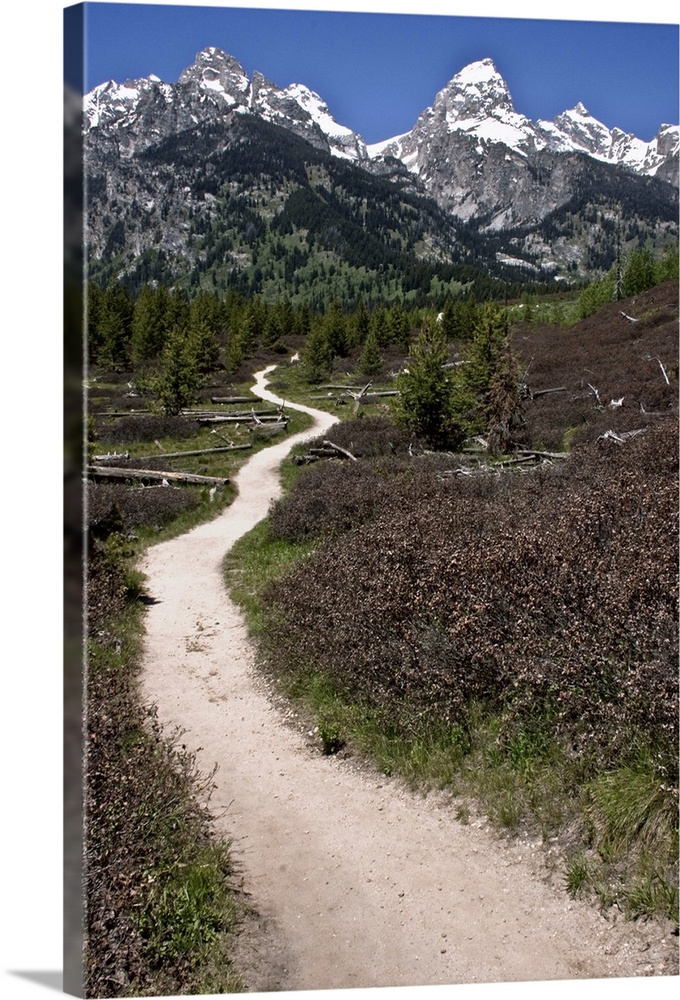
(361, 883)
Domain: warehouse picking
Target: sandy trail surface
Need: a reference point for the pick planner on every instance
(358, 882)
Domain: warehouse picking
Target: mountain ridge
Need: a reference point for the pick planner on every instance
(173, 171)
(476, 101)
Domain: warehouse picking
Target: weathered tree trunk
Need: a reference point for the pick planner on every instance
(104, 472)
(543, 454)
(544, 392)
(231, 399)
(342, 451)
(264, 416)
(197, 451)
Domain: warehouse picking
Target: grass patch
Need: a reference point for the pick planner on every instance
(252, 563)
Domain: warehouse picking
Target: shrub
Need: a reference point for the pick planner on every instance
(555, 590)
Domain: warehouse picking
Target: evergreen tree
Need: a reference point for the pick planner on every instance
(94, 301)
(360, 324)
(249, 328)
(449, 324)
(399, 326)
(115, 327)
(638, 273)
(426, 404)
(335, 328)
(461, 322)
(149, 323)
(317, 357)
(177, 382)
(380, 327)
(177, 312)
(667, 265)
(489, 341)
(205, 309)
(598, 294)
(370, 362)
(271, 337)
(488, 383)
(303, 321)
(203, 347)
(285, 316)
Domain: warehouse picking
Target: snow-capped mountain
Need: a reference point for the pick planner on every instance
(137, 113)
(471, 114)
(166, 163)
(478, 156)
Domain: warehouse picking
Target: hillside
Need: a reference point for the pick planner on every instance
(510, 636)
(507, 637)
(221, 183)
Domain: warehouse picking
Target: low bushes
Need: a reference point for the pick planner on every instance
(607, 353)
(123, 508)
(509, 636)
(143, 428)
(555, 589)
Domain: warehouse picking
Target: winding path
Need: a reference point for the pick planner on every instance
(360, 883)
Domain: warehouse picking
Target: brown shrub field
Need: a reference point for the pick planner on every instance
(547, 596)
(606, 353)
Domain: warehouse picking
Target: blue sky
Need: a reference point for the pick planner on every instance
(378, 71)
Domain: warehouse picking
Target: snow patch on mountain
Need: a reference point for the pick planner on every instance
(477, 103)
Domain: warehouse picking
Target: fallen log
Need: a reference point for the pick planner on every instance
(663, 370)
(271, 416)
(197, 451)
(265, 430)
(107, 472)
(231, 399)
(622, 437)
(111, 457)
(344, 388)
(543, 454)
(520, 460)
(544, 392)
(341, 451)
(122, 413)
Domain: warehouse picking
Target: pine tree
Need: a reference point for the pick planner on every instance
(638, 273)
(177, 382)
(399, 326)
(149, 324)
(488, 384)
(370, 362)
(115, 327)
(380, 327)
(203, 347)
(426, 404)
(335, 328)
(360, 324)
(317, 357)
(486, 357)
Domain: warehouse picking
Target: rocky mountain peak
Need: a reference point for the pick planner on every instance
(217, 71)
(477, 90)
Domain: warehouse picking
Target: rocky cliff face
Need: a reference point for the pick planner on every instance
(481, 159)
(164, 160)
(140, 113)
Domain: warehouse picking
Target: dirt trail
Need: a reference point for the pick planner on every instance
(360, 883)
